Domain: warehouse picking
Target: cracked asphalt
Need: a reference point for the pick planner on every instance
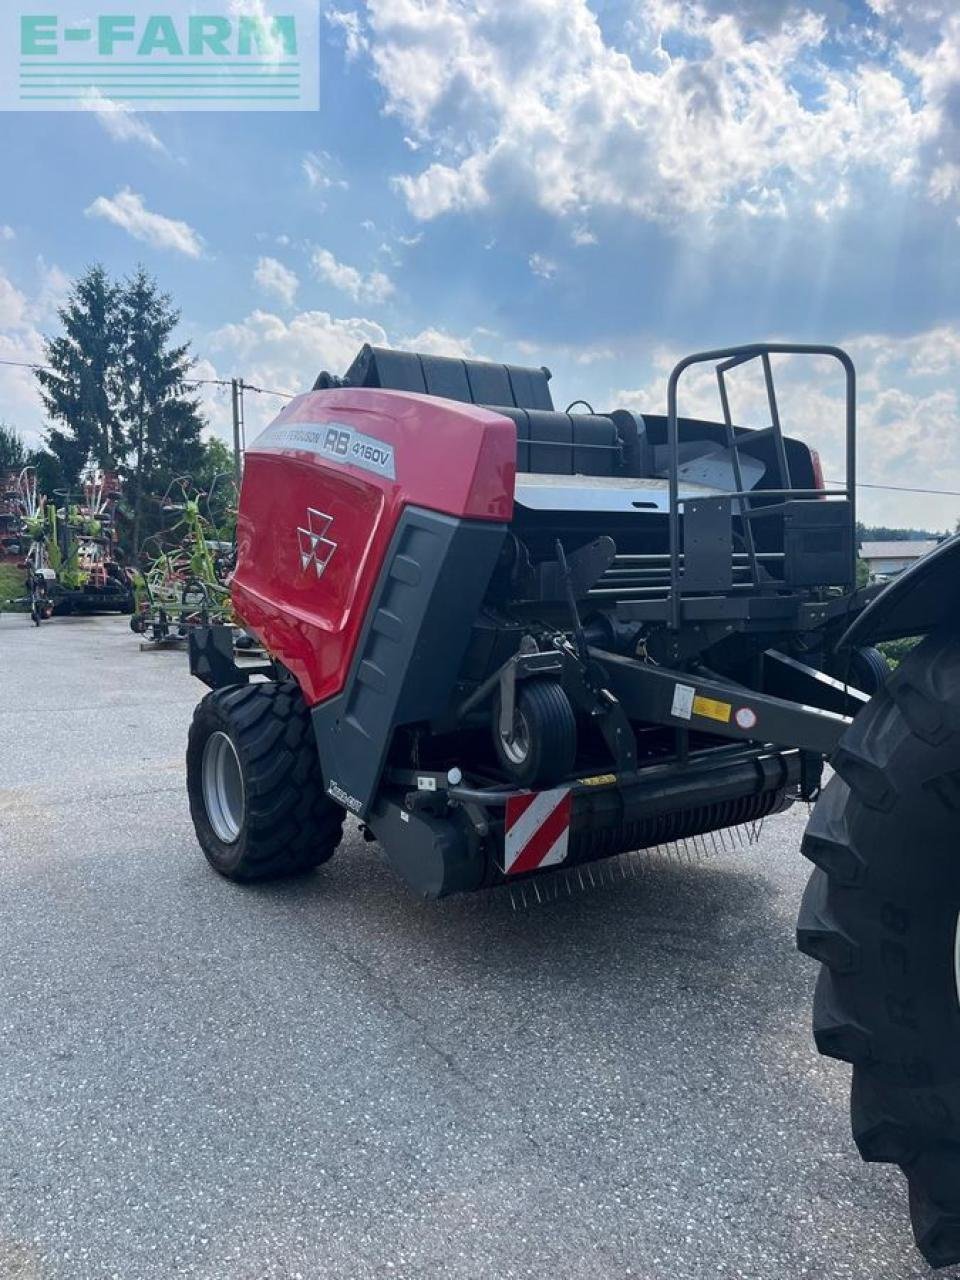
(329, 1078)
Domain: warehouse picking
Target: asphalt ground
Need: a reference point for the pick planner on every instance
(329, 1078)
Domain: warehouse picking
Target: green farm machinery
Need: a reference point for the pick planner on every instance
(185, 566)
(69, 547)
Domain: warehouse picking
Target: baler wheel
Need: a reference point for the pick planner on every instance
(882, 915)
(542, 748)
(256, 791)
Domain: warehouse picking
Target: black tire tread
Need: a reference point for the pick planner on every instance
(291, 825)
(890, 777)
(554, 729)
(870, 670)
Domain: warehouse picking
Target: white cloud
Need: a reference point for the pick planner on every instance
(273, 277)
(546, 268)
(582, 236)
(374, 287)
(944, 181)
(437, 342)
(7, 233)
(121, 122)
(316, 167)
(53, 286)
(909, 405)
(24, 314)
(531, 99)
(287, 355)
(351, 27)
(128, 210)
(13, 305)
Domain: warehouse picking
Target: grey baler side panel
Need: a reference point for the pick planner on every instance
(426, 601)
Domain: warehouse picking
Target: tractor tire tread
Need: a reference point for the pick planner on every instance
(880, 840)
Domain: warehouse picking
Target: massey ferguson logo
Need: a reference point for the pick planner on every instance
(315, 547)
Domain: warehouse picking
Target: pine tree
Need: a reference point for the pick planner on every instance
(13, 454)
(79, 389)
(161, 423)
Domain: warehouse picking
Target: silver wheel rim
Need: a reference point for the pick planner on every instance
(516, 746)
(222, 787)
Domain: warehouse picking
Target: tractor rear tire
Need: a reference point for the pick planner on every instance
(542, 748)
(882, 915)
(256, 791)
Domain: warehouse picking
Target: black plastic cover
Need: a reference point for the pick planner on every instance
(818, 543)
(416, 634)
(469, 381)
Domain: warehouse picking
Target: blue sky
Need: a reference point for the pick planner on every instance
(599, 187)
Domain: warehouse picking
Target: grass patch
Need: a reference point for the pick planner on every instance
(11, 588)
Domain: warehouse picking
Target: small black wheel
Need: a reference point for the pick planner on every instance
(866, 669)
(137, 624)
(541, 748)
(256, 791)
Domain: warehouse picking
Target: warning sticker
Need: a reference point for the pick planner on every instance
(683, 696)
(712, 709)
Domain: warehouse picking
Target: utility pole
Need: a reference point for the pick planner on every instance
(236, 389)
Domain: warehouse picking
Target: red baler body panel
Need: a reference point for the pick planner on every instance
(314, 526)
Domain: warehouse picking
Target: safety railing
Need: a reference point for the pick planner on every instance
(726, 359)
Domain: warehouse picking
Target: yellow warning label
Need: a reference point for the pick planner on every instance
(600, 780)
(711, 709)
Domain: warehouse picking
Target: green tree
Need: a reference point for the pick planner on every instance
(161, 421)
(216, 478)
(50, 473)
(13, 454)
(216, 460)
(79, 389)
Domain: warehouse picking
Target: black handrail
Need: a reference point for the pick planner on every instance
(727, 358)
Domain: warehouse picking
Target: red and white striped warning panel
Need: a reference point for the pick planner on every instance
(536, 830)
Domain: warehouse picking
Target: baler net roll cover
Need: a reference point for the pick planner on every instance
(325, 487)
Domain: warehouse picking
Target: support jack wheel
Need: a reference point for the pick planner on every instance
(541, 746)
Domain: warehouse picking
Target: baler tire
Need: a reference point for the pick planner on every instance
(550, 728)
(882, 915)
(289, 824)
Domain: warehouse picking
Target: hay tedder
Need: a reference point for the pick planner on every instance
(183, 582)
(69, 548)
(513, 641)
(13, 539)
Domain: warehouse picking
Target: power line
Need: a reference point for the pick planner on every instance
(187, 382)
(22, 364)
(900, 488)
(265, 391)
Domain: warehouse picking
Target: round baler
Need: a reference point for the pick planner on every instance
(510, 640)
